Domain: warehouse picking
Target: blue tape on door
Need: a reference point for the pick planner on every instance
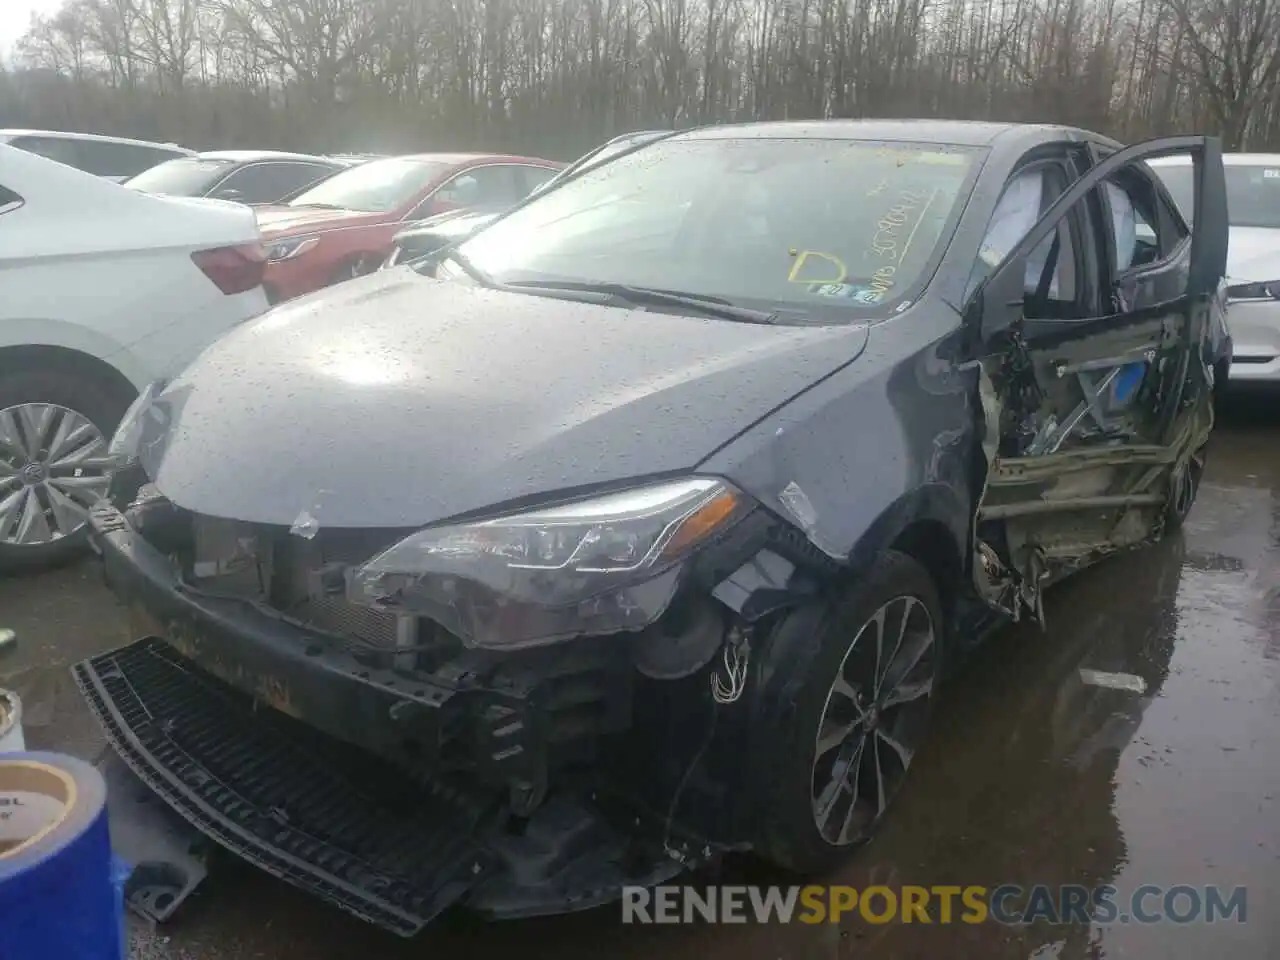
(1127, 381)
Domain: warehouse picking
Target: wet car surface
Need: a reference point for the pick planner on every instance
(1030, 775)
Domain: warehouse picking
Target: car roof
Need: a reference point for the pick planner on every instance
(101, 138)
(461, 159)
(957, 132)
(1228, 160)
(634, 135)
(248, 156)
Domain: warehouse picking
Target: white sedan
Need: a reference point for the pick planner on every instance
(1253, 258)
(102, 290)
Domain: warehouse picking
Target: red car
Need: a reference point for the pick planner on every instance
(344, 226)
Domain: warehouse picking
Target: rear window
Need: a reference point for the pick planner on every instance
(101, 157)
(188, 177)
(803, 225)
(1253, 192)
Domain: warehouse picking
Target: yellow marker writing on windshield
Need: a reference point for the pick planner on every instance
(803, 255)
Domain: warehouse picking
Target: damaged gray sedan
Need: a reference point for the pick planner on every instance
(643, 525)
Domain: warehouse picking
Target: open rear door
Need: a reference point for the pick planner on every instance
(1097, 408)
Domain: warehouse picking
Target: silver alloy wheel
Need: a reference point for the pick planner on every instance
(873, 720)
(53, 467)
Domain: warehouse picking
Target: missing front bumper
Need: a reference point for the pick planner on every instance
(322, 816)
(340, 823)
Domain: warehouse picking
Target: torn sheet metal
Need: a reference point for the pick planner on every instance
(305, 526)
(800, 508)
(1006, 590)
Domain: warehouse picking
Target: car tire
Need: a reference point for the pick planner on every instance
(796, 760)
(1185, 485)
(96, 402)
(357, 266)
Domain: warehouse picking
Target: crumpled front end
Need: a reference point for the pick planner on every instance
(323, 738)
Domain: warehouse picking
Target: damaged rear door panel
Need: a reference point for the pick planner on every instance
(1097, 410)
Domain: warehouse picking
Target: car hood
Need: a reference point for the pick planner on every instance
(1253, 255)
(396, 400)
(276, 221)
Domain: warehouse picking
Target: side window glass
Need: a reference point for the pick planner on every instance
(532, 178)
(105, 160)
(482, 188)
(1135, 221)
(1024, 200)
(265, 182)
(119, 160)
(1142, 236)
(9, 200)
(60, 149)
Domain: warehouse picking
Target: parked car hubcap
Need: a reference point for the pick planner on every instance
(873, 720)
(52, 469)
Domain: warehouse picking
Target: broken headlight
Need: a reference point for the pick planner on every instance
(597, 566)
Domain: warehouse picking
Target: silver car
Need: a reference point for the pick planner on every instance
(1253, 257)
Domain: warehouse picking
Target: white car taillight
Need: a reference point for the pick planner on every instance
(233, 269)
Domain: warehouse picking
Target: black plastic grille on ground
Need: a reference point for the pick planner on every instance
(305, 807)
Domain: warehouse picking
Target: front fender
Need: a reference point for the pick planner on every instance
(882, 444)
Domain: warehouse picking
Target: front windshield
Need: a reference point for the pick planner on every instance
(185, 177)
(379, 186)
(1253, 192)
(789, 225)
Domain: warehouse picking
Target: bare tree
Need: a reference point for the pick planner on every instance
(555, 76)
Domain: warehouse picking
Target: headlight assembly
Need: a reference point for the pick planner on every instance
(278, 250)
(594, 566)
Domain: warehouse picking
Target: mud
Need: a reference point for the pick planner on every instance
(1033, 776)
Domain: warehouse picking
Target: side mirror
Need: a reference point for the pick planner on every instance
(998, 302)
(426, 210)
(420, 245)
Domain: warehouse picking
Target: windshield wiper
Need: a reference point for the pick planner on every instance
(706, 304)
(469, 268)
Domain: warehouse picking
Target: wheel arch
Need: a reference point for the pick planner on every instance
(931, 524)
(24, 357)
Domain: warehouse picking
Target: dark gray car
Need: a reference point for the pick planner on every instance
(247, 176)
(643, 525)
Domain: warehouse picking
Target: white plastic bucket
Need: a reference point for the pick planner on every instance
(10, 723)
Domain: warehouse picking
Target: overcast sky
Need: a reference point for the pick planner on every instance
(14, 17)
